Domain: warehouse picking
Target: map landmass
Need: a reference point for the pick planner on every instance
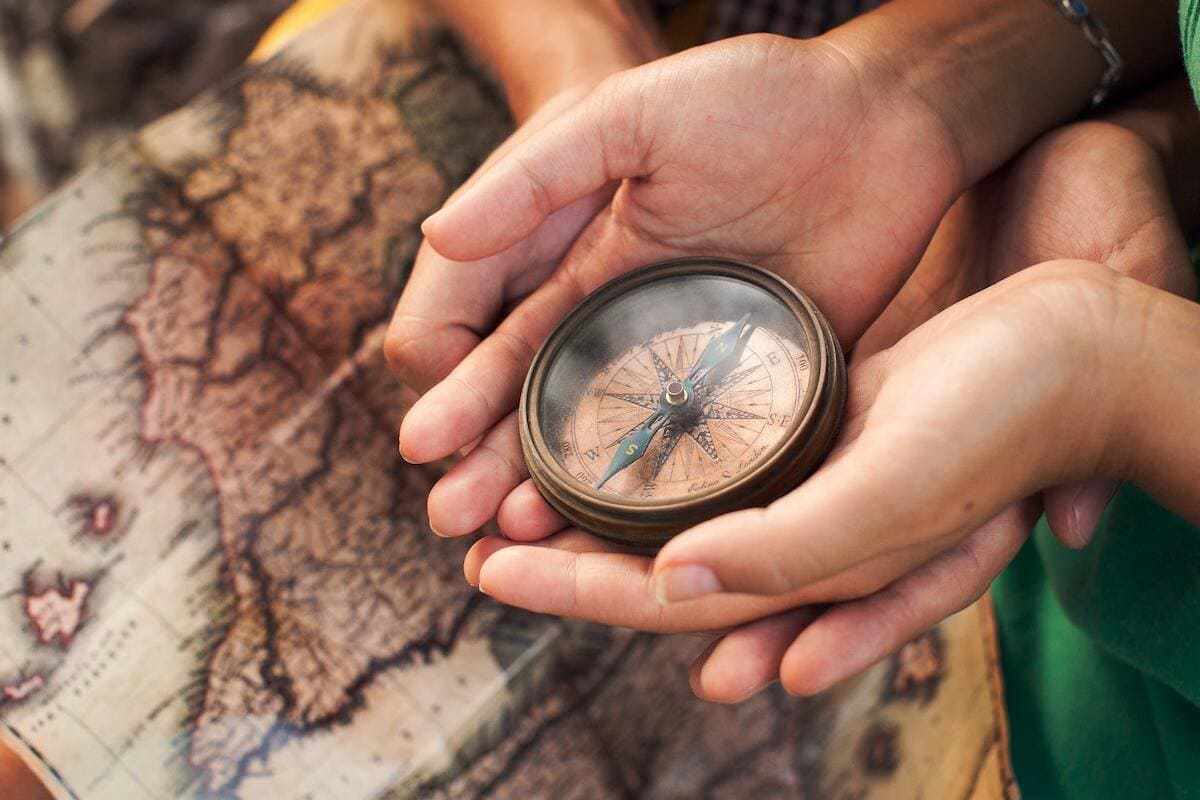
(257, 606)
(57, 611)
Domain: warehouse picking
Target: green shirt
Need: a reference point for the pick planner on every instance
(1101, 648)
(1100, 656)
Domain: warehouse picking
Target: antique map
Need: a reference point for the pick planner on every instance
(216, 576)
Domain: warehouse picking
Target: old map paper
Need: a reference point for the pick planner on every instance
(216, 577)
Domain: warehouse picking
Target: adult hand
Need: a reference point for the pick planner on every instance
(545, 70)
(776, 151)
(830, 160)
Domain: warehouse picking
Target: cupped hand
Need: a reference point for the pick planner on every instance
(1095, 190)
(788, 154)
(1004, 394)
(447, 306)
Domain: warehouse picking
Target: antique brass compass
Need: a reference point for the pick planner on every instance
(679, 392)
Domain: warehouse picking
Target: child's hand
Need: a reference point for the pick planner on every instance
(1020, 387)
(1097, 191)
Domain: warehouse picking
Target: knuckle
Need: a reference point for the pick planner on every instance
(513, 348)
(516, 470)
(965, 575)
(899, 616)
(784, 567)
(402, 341)
(539, 192)
(575, 582)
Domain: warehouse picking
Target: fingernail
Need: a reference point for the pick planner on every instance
(432, 218)
(436, 532)
(687, 582)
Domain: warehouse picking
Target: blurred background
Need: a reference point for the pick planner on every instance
(77, 74)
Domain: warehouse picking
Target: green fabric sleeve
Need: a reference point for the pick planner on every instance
(1100, 656)
(1189, 28)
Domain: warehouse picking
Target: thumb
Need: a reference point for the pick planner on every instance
(896, 491)
(863, 504)
(598, 141)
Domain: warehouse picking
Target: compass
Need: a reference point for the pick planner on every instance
(679, 392)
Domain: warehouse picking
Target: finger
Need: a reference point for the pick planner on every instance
(741, 664)
(444, 307)
(486, 385)
(863, 504)
(480, 552)
(616, 595)
(480, 390)
(525, 516)
(595, 143)
(1074, 511)
(447, 306)
(603, 585)
(572, 541)
(851, 637)
(469, 494)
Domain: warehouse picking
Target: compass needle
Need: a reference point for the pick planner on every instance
(632, 447)
(720, 349)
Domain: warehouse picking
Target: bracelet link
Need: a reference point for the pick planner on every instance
(1078, 13)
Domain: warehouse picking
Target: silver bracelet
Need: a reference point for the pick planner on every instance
(1077, 11)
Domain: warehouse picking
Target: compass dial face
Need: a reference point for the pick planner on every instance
(677, 387)
(741, 416)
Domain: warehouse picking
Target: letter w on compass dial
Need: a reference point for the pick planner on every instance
(686, 410)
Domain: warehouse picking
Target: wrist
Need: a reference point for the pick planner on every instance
(1074, 332)
(1159, 423)
(1124, 348)
(1166, 120)
(577, 43)
(995, 74)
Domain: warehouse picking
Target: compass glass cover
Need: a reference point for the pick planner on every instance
(675, 387)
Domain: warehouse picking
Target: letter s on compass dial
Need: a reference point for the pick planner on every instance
(679, 392)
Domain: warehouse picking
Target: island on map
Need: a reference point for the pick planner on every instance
(23, 688)
(56, 612)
